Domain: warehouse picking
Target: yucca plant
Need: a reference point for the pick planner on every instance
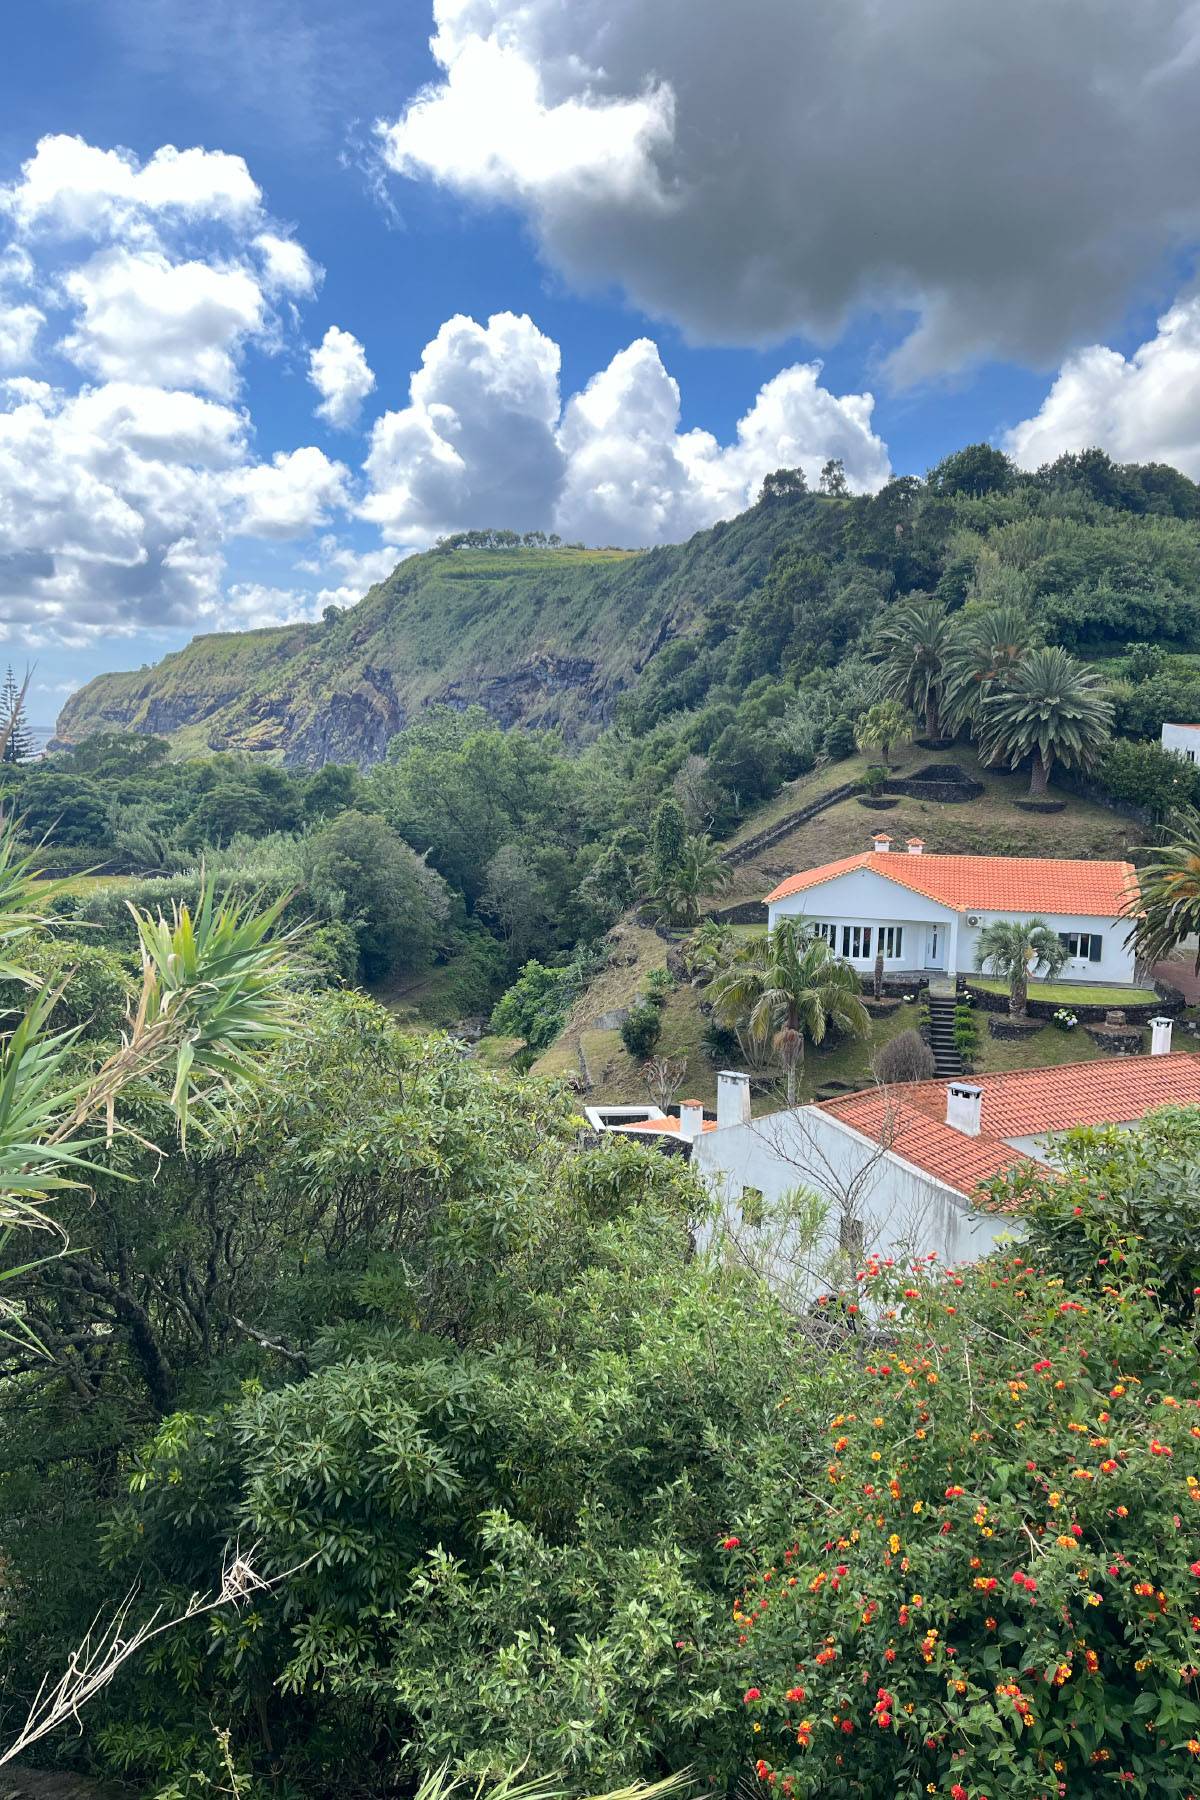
(212, 995)
(1051, 709)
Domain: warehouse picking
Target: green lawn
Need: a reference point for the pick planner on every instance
(1071, 993)
(1034, 1050)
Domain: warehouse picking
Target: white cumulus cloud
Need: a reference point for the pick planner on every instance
(1001, 175)
(287, 266)
(77, 188)
(140, 315)
(1140, 408)
(486, 440)
(476, 444)
(19, 326)
(289, 496)
(339, 371)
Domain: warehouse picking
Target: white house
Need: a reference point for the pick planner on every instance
(928, 911)
(1182, 740)
(899, 1169)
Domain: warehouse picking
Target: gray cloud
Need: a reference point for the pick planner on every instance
(1002, 175)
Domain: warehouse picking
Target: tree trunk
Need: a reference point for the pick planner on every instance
(1018, 995)
(932, 722)
(795, 1056)
(878, 983)
(1039, 775)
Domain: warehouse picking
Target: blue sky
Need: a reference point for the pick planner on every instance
(685, 209)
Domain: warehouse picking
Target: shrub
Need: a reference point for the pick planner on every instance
(96, 986)
(998, 1592)
(659, 986)
(1147, 776)
(874, 779)
(837, 741)
(332, 953)
(906, 1057)
(641, 1031)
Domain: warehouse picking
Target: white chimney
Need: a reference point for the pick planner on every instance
(1160, 1037)
(691, 1120)
(882, 842)
(733, 1099)
(915, 846)
(964, 1107)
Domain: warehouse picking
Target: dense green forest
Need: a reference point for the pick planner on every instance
(449, 1438)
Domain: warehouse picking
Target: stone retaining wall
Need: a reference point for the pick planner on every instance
(1169, 1003)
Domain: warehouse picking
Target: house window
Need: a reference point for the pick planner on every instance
(1082, 946)
(828, 933)
(856, 941)
(892, 939)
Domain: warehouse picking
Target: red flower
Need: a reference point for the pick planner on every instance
(730, 1543)
(752, 1694)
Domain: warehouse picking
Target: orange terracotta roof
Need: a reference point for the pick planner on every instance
(1018, 884)
(911, 1120)
(670, 1123)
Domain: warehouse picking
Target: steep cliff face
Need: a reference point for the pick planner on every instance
(538, 637)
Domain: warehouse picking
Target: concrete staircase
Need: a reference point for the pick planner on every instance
(942, 1001)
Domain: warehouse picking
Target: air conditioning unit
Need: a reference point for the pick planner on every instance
(972, 918)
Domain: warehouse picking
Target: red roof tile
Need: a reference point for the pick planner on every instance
(911, 1120)
(1018, 884)
(670, 1123)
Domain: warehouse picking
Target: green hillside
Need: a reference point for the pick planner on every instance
(761, 623)
(539, 636)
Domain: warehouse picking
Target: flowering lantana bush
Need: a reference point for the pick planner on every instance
(996, 1592)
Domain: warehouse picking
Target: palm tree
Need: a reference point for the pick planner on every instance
(1017, 949)
(984, 652)
(914, 640)
(786, 986)
(880, 726)
(1167, 909)
(1052, 708)
(699, 871)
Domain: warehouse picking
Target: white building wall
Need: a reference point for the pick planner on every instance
(1183, 740)
(864, 897)
(902, 1209)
